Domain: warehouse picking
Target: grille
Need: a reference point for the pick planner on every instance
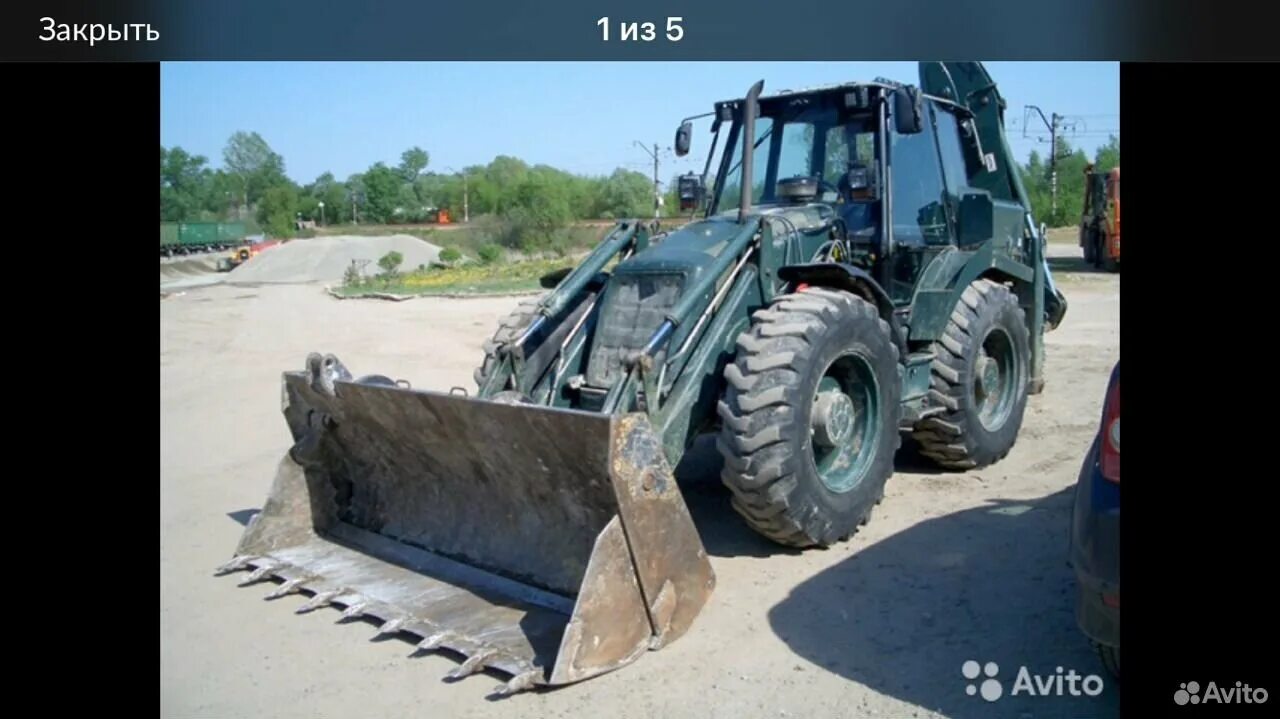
(633, 308)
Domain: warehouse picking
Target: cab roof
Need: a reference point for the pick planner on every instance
(812, 90)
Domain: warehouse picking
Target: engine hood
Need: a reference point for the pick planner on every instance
(691, 248)
(687, 250)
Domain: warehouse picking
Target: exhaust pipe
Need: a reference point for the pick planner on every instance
(749, 110)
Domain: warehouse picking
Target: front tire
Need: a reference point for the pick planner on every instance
(1110, 264)
(1099, 249)
(810, 417)
(979, 376)
(509, 329)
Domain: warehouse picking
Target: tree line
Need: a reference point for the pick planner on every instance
(252, 185)
(1071, 181)
(526, 206)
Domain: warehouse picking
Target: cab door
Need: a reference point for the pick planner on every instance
(918, 209)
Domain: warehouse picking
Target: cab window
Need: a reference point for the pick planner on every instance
(919, 214)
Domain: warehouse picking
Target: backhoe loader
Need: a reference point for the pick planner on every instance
(861, 264)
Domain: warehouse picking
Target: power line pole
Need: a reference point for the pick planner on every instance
(657, 193)
(466, 202)
(1053, 154)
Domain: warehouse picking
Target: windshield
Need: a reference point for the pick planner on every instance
(804, 141)
(731, 194)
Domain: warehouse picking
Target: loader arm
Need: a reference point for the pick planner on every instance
(513, 371)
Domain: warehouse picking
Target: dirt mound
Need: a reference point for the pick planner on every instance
(186, 266)
(189, 270)
(326, 259)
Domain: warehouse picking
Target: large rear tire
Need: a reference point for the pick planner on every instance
(1090, 247)
(810, 417)
(1099, 249)
(980, 375)
(509, 328)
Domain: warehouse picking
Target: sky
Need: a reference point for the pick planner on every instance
(584, 117)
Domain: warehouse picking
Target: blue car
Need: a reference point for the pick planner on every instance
(1095, 535)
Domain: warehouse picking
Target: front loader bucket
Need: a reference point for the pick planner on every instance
(550, 545)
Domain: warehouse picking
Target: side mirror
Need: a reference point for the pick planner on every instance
(976, 221)
(908, 110)
(684, 137)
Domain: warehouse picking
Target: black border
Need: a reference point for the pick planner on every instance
(1198, 498)
(79, 498)
(714, 29)
(1199, 490)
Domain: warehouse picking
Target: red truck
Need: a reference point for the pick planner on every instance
(1100, 220)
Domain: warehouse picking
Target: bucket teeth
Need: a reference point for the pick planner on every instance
(519, 683)
(258, 574)
(392, 626)
(435, 641)
(321, 599)
(235, 565)
(289, 587)
(474, 663)
(354, 610)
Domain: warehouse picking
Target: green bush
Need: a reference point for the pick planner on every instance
(450, 254)
(276, 210)
(533, 228)
(390, 261)
(390, 264)
(562, 244)
(489, 253)
(495, 230)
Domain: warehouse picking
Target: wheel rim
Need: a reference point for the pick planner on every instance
(995, 375)
(844, 423)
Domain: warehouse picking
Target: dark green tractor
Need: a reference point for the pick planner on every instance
(884, 273)
(863, 264)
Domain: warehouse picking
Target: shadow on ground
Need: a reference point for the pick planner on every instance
(724, 533)
(989, 584)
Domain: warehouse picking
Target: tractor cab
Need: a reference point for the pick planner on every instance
(815, 153)
(898, 174)
(881, 163)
